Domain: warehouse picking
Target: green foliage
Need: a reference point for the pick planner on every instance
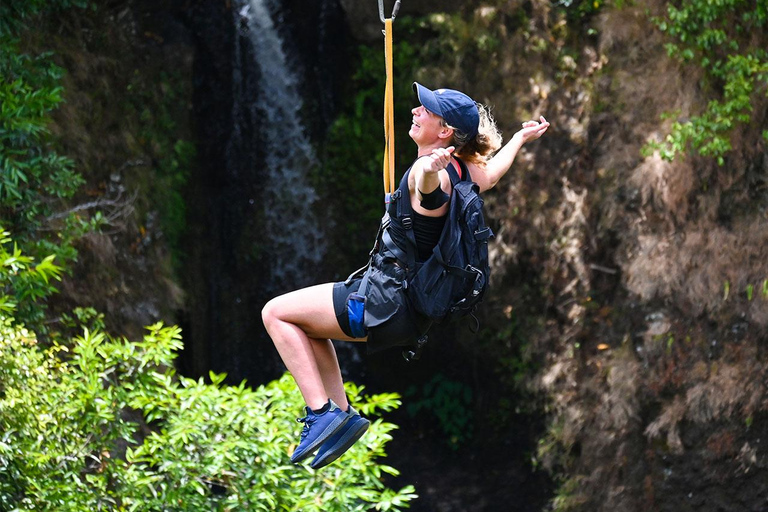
(22, 282)
(14, 14)
(457, 35)
(448, 402)
(105, 424)
(554, 449)
(32, 173)
(568, 496)
(727, 39)
(83, 316)
(577, 11)
(35, 181)
(158, 104)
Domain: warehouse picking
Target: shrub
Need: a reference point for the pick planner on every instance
(35, 181)
(22, 282)
(99, 423)
(106, 425)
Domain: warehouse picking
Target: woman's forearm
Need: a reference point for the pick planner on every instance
(502, 161)
(427, 182)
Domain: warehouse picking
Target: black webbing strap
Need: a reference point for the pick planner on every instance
(385, 220)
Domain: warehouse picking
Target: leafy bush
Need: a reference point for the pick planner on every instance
(23, 282)
(99, 423)
(107, 425)
(727, 39)
(31, 173)
(443, 397)
(35, 181)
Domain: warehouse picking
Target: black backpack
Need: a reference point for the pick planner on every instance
(453, 280)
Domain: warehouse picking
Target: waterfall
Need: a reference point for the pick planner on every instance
(262, 85)
(294, 236)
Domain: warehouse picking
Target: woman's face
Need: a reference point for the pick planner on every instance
(426, 126)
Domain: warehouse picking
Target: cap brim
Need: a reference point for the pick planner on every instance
(427, 99)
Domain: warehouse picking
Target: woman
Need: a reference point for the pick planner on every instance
(447, 124)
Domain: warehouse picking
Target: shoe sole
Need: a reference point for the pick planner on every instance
(331, 429)
(341, 446)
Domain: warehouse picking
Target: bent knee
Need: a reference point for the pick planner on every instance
(270, 313)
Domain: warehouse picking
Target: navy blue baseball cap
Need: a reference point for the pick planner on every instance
(458, 109)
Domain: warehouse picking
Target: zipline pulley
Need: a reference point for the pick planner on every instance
(395, 9)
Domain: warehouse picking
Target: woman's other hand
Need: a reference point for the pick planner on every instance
(532, 130)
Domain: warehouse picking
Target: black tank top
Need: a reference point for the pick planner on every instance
(427, 231)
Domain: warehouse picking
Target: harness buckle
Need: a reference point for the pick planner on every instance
(407, 222)
(415, 354)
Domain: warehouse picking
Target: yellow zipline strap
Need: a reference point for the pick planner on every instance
(389, 109)
(389, 117)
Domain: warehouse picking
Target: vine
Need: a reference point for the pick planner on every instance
(727, 39)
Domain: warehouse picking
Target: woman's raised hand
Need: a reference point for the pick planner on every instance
(532, 130)
(439, 159)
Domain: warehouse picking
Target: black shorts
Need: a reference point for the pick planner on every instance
(402, 326)
(340, 293)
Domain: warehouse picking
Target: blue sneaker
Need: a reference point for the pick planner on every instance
(342, 440)
(317, 429)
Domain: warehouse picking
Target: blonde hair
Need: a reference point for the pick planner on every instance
(479, 148)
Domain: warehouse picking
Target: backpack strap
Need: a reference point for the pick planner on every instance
(454, 174)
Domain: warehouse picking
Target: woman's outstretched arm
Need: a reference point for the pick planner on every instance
(498, 166)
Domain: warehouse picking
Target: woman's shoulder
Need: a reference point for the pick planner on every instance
(474, 166)
(477, 171)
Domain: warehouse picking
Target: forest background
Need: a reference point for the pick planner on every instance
(620, 365)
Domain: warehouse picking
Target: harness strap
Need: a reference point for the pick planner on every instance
(385, 220)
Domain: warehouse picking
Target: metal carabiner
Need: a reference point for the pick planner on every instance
(395, 10)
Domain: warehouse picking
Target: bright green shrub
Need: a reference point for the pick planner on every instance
(31, 173)
(107, 425)
(99, 423)
(22, 282)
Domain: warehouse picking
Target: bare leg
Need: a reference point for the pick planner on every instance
(328, 364)
(300, 324)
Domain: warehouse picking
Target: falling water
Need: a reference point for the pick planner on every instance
(295, 240)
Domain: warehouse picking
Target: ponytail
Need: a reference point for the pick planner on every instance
(479, 148)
